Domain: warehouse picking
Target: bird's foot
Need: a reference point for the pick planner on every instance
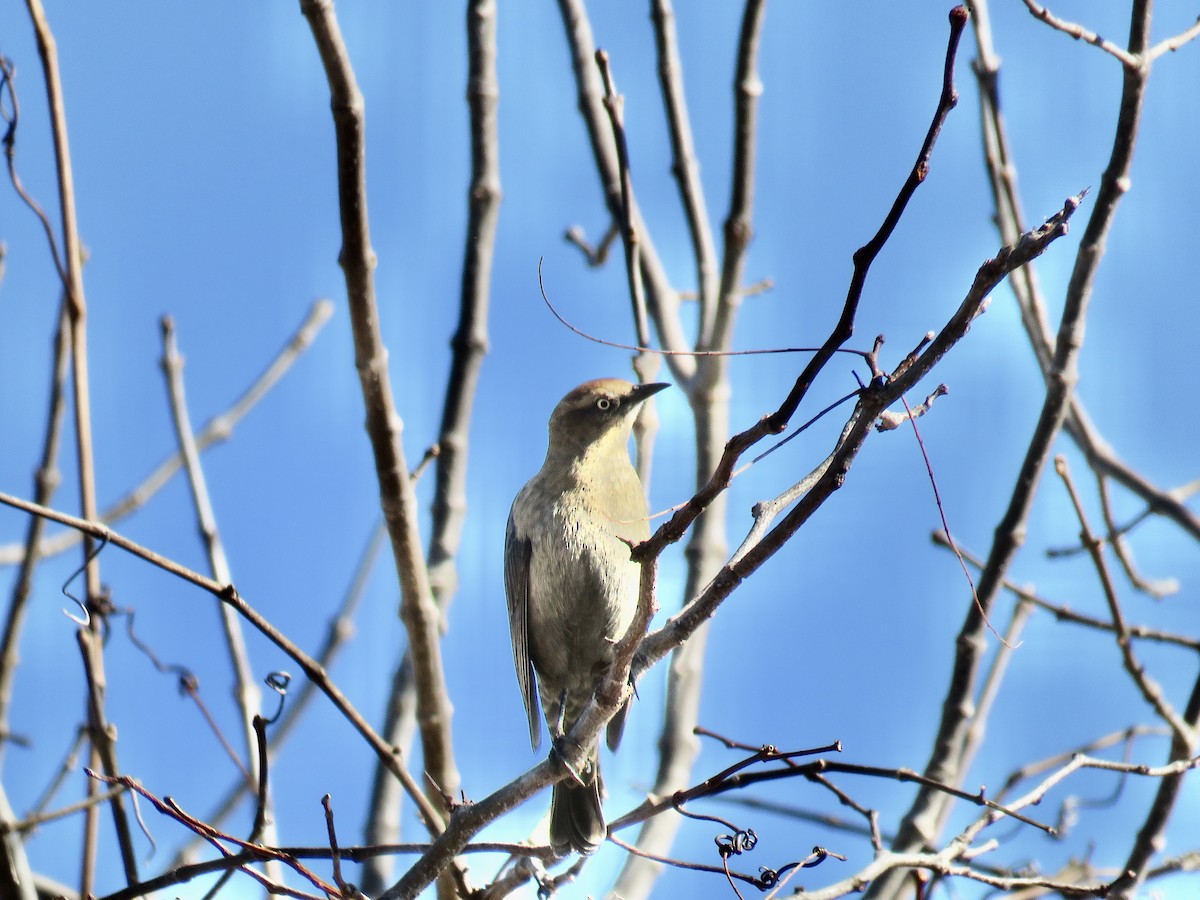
(560, 747)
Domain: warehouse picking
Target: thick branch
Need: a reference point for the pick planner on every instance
(397, 498)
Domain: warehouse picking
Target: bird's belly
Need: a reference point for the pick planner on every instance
(582, 598)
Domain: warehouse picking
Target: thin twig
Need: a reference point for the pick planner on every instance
(1171, 44)
(216, 430)
(245, 689)
(45, 482)
(1129, 60)
(1147, 686)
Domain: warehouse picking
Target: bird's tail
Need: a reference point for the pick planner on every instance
(576, 819)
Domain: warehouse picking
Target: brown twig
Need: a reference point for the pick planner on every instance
(777, 421)
(168, 807)
(245, 689)
(1147, 686)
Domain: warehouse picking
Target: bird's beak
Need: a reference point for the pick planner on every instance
(643, 392)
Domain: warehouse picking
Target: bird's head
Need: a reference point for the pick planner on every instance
(598, 415)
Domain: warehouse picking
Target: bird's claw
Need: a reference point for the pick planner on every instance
(558, 750)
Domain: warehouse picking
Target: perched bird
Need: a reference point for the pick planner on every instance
(572, 587)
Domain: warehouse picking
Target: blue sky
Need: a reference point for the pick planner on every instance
(204, 164)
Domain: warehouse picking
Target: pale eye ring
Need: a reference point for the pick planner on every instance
(604, 404)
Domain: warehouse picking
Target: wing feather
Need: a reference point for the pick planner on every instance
(517, 553)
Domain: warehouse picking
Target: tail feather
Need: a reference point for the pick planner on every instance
(576, 819)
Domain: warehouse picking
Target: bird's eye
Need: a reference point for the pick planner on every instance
(604, 404)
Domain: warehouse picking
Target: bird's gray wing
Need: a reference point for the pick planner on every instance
(517, 553)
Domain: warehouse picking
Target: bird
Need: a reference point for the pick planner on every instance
(571, 584)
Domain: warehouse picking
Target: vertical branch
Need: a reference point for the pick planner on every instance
(708, 395)
(662, 301)
(739, 229)
(469, 346)
(470, 341)
(397, 497)
(645, 363)
(45, 482)
(103, 736)
(245, 690)
(684, 165)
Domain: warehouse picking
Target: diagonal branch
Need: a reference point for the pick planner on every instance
(921, 822)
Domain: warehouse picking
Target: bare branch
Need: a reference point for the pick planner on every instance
(1149, 688)
(1080, 33)
(397, 498)
(684, 165)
